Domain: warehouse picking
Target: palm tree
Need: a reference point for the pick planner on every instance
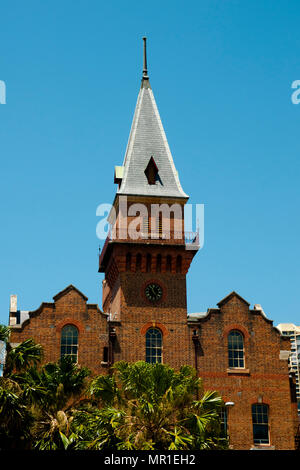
(139, 406)
(22, 357)
(36, 404)
(4, 333)
(15, 415)
(64, 384)
(150, 406)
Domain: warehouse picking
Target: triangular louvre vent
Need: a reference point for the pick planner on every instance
(151, 171)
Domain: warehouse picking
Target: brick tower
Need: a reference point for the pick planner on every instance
(147, 253)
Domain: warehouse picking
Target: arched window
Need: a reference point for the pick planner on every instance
(153, 345)
(168, 263)
(128, 261)
(236, 354)
(138, 262)
(158, 264)
(148, 264)
(260, 421)
(69, 342)
(178, 263)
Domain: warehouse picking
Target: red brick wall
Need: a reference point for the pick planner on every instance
(264, 379)
(127, 301)
(169, 315)
(45, 326)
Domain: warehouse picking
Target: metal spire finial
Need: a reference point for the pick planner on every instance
(145, 70)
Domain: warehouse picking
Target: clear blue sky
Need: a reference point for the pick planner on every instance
(221, 72)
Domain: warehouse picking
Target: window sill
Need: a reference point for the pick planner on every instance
(238, 371)
(262, 447)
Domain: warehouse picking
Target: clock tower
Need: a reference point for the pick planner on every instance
(147, 253)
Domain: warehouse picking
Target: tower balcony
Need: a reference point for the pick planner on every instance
(188, 240)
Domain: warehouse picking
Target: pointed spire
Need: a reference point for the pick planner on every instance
(148, 143)
(145, 69)
(145, 79)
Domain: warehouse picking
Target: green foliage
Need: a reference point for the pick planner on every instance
(23, 356)
(15, 414)
(36, 404)
(4, 333)
(64, 383)
(139, 406)
(150, 406)
(15, 417)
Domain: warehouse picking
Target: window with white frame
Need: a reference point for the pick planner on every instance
(153, 345)
(69, 342)
(236, 353)
(260, 421)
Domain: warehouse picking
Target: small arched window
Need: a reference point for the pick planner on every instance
(148, 264)
(236, 353)
(69, 342)
(153, 345)
(138, 262)
(158, 263)
(178, 263)
(260, 422)
(168, 263)
(128, 261)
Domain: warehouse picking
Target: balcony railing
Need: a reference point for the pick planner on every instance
(188, 239)
(171, 236)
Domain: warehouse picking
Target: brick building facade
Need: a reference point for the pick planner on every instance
(235, 349)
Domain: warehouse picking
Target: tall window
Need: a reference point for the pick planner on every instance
(260, 420)
(153, 345)
(223, 419)
(69, 342)
(169, 263)
(236, 355)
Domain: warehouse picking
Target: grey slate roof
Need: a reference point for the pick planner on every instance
(147, 139)
(196, 316)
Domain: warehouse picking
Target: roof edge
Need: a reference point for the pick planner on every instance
(229, 296)
(68, 289)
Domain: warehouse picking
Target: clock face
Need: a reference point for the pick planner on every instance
(153, 292)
